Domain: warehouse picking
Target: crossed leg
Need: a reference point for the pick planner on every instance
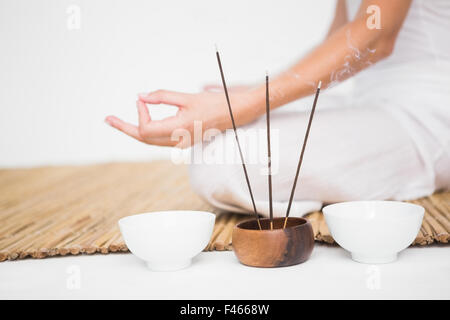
(352, 154)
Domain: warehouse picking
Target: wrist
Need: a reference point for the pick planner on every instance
(251, 105)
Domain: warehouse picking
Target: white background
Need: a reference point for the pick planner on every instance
(57, 84)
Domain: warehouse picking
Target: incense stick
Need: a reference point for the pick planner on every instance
(237, 138)
(302, 153)
(269, 156)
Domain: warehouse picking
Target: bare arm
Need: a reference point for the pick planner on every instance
(350, 49)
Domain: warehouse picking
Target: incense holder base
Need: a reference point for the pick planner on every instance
(277, 247)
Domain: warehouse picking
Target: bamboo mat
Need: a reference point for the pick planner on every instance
(52, 211)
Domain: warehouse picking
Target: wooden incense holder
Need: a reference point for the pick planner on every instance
(273, 248)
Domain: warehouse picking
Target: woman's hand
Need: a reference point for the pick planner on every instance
(209, 107)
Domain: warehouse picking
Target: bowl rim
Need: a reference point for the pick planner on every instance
(267, 231)
(123, 221)
(419, 208)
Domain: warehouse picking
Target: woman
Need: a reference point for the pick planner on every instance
(391, 141)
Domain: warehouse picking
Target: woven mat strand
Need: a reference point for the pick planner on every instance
(71, 210)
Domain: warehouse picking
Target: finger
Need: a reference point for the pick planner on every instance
(133, 131)
(180, 139)
(123, 126)
(165, 142)
(166, 97)
(161, 128)
(144, 115)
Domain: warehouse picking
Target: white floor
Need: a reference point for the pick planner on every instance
(418, 273)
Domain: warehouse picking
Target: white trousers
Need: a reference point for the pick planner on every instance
(352, 153)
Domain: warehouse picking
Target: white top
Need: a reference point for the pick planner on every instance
(414, 82)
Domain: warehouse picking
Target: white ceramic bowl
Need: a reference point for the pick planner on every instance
(374, 231)
(167, 240)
